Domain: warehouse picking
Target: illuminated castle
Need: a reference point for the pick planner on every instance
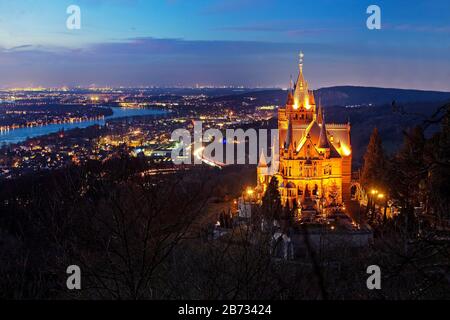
(314, 156)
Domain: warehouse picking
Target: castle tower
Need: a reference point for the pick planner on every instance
(314, 155)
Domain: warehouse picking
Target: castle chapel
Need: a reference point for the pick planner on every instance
(314, 156)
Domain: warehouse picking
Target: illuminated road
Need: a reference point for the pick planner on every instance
(198, 153)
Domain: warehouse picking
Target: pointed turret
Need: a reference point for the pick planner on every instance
(320, 113)
(290, 97)
(289, 139)
(262, 160)
(323, 138)
(301, 86)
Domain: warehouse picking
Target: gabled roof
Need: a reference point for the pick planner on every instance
(314, 133)
(313, 152)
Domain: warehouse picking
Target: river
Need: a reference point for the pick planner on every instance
(22, 134)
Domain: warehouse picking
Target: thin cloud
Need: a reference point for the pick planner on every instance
(418, 28)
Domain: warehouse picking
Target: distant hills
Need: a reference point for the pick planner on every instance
(345, 96)
(365, 108)
(351, 95)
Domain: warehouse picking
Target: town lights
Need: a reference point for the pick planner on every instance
(250, 191)
(377, 193)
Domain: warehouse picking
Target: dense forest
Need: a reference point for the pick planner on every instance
(138, 237)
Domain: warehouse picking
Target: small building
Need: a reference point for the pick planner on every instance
(247, 203)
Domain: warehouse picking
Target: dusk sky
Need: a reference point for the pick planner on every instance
(224, 42)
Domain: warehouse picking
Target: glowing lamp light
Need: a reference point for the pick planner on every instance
(307, 105)
(345, 150)
(250, 191)
(381, 196)
(295, 106)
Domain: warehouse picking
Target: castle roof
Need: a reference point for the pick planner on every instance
(318, 137)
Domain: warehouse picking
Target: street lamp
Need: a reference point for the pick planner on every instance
(372, 201)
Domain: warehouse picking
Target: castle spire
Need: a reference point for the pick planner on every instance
(320, 112)
(301, 86)
(262, 160)
(323, 138)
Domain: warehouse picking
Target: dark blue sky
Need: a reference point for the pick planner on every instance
(225, 42)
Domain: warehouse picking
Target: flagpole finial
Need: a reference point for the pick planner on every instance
(301, 56)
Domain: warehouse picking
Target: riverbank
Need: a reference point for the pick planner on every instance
(21, 134)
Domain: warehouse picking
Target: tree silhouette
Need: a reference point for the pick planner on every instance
(439, 170)
(373, 173)
(271, 202)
